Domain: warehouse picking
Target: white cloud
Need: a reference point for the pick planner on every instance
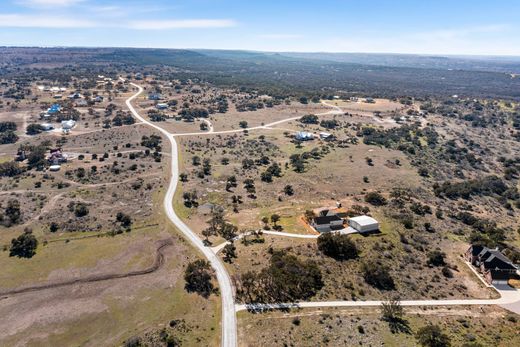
(280, 36)
(49, 3)
(36, 21)
(60, 21)
(478, 40)
(182, 24)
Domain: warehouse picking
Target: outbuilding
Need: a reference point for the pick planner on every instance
(304, 136)
(55, 167)
(47, 126)
(161, 106)
(68, 124)
(363, 224)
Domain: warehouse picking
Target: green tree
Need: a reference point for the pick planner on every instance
(13, 212)
(375, 199)
(432, 336)
(34, 129)
(378, 275)
(198, 276)
(337, 246)
(229, 252)
(393, 313)
(436, 258)
(24, 246)
(288, 190)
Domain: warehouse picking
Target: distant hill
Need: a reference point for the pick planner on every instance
(477, 63)
(294, 73)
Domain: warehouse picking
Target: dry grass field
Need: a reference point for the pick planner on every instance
(363, 327)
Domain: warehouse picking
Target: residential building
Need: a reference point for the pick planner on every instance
(494, 266)
(327, 221)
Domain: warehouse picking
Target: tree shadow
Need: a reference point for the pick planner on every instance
(399, 325)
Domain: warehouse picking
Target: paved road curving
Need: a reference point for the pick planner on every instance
(229, 323)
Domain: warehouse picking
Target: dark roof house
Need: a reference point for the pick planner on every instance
(326, 223)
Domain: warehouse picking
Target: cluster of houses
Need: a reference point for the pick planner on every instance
(495, 267)
(329, 221)
(66, 125)
(307, 136)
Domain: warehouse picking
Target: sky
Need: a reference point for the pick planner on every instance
(476, 27)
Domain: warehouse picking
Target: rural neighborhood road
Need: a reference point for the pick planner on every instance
(336, 110)
(509, 299)
(229, 323)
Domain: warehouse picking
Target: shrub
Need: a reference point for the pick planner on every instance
(309, 119)
(198, 276)
(81, 210)
(375, 198)
(10, 169)
(432, 336)
(24, 246)
(436, 258)
(34, 129)
(8, 137)
(378, 276)
(337, 246)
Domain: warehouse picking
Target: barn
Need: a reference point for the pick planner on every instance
(364, 224)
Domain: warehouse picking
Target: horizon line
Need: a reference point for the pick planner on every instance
(265, 51)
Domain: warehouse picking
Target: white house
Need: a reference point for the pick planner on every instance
(304, 136)
(47, 126)
(161, 106)
(324, 135)
(364, 224)
(68, 124)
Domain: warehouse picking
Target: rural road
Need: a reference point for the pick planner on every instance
(509, 298)
(229, 323)
(336, 110)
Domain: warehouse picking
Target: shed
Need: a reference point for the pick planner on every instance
(364, 224)
(47, 126)
(161, 106)
(55, 167)
(304, 136)
(68, 124)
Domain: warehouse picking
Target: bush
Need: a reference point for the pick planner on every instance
(378, 275)
(436, 258)
(34, 129)
(309, 119)
(7, 126)
(12, 213)
(24, 246)
(81, 210)
(198, 276)
(124, 219)
(337, 246)
(375, 198)
(432, 336)
(8, 137)
(286, 279)
(10, 169)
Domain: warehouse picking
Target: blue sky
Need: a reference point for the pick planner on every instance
(479, 27)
